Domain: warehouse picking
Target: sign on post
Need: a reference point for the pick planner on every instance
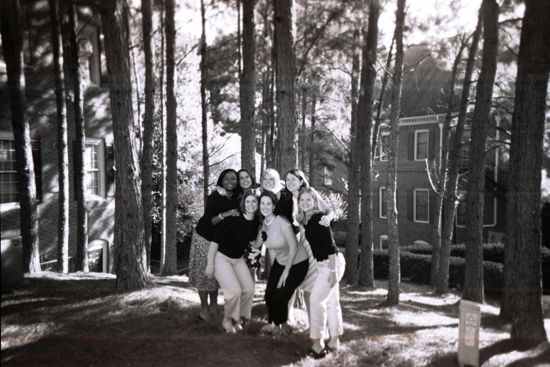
(468, 333)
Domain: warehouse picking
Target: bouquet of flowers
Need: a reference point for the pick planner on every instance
(252, 257)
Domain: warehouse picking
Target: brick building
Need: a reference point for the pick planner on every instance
(420, 139)
(41, 114)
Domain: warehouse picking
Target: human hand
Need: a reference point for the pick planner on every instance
(332, 279)
(282, 279)
(209, 272)
(325, 220)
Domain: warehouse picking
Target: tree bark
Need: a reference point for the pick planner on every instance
(365, 114)
(522, 267)
(473, 266)
(437, 218)
(169, 267)
(12, 48)
(62, 145)
(449, 201)
(129, 232)
(75, 104)
(313, 118)
(204, 122)
(248, 88)
(352, 238)
(393, 232)
(286, 118)
(148, 127)
(378, 119)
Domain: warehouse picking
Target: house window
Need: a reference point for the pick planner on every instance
(8, 173)
(384, 145)
(383, 243)
(421, 139)
(327, 176)
(382, 195)
(489, 210)
(421, 204)
(95, 168)
(9, 192)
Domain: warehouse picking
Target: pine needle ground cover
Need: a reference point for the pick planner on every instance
(78, 320)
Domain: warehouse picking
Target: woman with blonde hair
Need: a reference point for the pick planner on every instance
(325, 309)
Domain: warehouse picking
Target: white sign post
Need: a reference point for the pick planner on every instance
(468, 333)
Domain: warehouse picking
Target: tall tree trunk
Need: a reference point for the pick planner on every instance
(163, 135)
(75, 102)
(286, 118)
(204, 123)
(313, 118)
(248, 88)
(129, 233)
(239, 45)
(378, 119)
(522, 267)
(393, 232)
(437, 218)
(449, 206)
(473, 266)
(62, 145)
(265, 89)
(302, 133)
(148, 127)
(169, 267)
(12, 49)
(365, 114)
(352, 238)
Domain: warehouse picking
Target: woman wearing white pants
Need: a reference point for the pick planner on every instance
(325, 311)
(227, 265)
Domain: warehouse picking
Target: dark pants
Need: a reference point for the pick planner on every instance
(276, 299)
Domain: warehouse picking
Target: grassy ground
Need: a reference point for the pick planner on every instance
(78, 320)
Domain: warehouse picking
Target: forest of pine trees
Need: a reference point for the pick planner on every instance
(196, 88)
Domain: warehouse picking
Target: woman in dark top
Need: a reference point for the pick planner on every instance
(226, 263)
(325, 297)
(251, 255)
(221, 204)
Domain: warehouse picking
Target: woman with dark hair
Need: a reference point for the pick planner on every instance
(226, 263)
(290, 262)
(221, 204)
(246, 180)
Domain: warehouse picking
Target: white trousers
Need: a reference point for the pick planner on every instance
(236, 284)
(324, 305)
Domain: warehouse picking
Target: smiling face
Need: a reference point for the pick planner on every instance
(250, 204)
(293, 183)
(245, 181)
(266, 206)
(229, 181)
(268, 181)
(307, 202)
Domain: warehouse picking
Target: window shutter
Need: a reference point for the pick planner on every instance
(432, 206)
(411, 146)
(109, 170)
(410, 205)
(432, 152)
(37, 160)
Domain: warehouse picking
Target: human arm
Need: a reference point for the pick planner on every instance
(212, 250)
(332, 280)
(290, 238)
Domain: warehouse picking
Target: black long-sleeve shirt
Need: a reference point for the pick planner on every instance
(233, 235)
(286, 208)
(215, 204)
(320, 238)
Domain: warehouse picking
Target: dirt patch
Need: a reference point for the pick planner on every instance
(78, 320)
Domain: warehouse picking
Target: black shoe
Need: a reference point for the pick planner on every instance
(317, 355)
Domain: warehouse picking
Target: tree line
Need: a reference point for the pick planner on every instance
(287, 74)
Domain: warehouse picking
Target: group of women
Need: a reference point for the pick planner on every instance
(293, 222)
